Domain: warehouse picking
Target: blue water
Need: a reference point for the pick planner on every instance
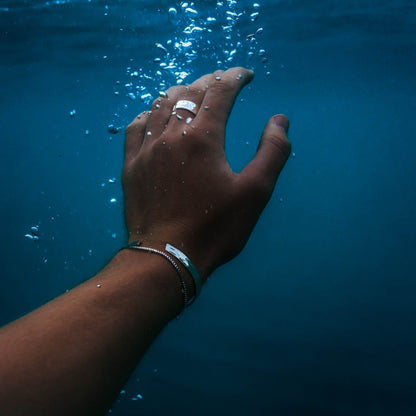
(317, 315)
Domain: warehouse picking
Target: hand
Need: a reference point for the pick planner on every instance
(178, 185)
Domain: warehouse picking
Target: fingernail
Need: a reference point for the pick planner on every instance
(281, 121)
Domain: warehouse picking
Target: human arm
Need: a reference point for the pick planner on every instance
(74, 354)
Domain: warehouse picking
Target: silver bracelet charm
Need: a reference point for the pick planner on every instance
(135, 245)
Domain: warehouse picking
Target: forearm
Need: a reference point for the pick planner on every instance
(73, 355)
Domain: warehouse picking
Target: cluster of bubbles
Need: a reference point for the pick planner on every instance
(215, 37)
(33, 235)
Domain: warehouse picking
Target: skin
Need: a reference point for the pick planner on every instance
(74, 354)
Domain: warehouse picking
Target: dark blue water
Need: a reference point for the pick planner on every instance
(317, 315)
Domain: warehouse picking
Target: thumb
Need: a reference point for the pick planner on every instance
(272, 154)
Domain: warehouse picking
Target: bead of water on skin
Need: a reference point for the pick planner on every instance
(179, 117)
(184, 133)
(98, 286)
(189, 120)
(218, 78)
(149, 133)
(206, 108)
(157, 106)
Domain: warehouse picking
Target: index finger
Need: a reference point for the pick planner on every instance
(219, 99)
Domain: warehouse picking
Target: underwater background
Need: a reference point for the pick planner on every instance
(317, 315)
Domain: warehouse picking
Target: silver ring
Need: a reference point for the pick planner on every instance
(185, 105)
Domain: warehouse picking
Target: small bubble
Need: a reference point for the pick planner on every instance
(98, 286)
(182, 163)
(29, 236)
(112, 180)
(163, 94)
(112, 129)
(179, 117)
(259, 31)
(254, 16)
(87, 132)
(262, 52)
(184, 133)
(189, 120)
(113, 200)
(114, 235)
(149, 133)
(34, 230)
(72, 113)
(240, 76)
(139, 396)
(293, 155)
(268, 73)
(218, 78)
(157, 106)
(280, 200)
(208, 132)
(206, 107)
(256, 5)
(131, 96)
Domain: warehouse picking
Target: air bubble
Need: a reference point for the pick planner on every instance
(112, 129)
(72, 113)
(113, 200)
(254, 16)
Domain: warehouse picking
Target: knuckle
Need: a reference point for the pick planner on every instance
(281, 142)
